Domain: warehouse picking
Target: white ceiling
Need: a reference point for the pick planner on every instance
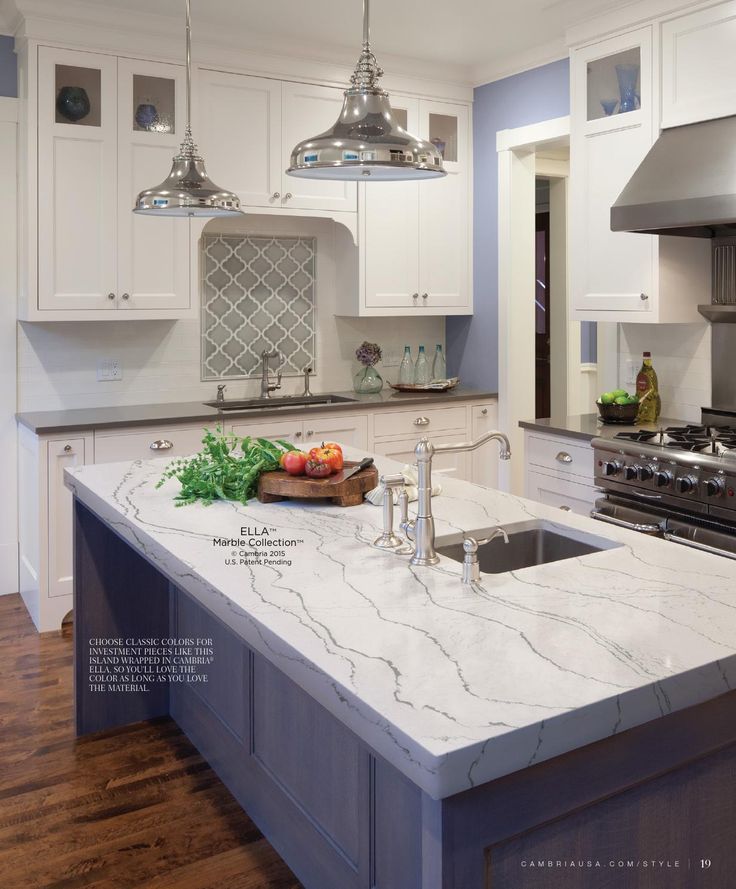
(465, 39)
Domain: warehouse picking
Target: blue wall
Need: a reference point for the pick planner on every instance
(8, 68)
(530, 97)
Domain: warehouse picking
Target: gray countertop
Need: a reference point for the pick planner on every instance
(588, 426)
(44, 422)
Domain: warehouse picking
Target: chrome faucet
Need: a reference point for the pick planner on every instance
(421, 530)
(267, 387)
(221, 393)
(307, 371)
(471, 566)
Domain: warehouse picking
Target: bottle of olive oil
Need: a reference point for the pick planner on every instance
(647, 389)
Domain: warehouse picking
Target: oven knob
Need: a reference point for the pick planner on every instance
(645, 473)
(686, 484)
(713, 487)
(612, 467)
(663, 478)
(631, 472)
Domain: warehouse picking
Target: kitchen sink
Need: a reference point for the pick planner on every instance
(536, 542)
(247, 404)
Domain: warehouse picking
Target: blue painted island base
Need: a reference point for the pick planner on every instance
(342, 817)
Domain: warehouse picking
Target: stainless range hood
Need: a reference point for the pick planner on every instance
(686, 185)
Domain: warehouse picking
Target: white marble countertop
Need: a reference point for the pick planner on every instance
(453, 685)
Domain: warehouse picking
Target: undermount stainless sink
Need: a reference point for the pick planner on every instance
(536, 542)
(246, 404)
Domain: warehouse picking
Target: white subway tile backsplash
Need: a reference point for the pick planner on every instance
(57, 362)
(681, 354)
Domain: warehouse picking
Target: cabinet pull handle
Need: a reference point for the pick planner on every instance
(297, 435)
(111, 296)
(276, 195)
(126, 296)
(484, 411)
(68, 449)
(161, 444)
(566, 508)
(421, 421)
(563, 457)
(310, 433)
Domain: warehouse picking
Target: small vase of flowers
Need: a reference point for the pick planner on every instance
(367, 381)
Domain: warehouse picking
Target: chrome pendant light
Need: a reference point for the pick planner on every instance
(187, 190)
(366, 143)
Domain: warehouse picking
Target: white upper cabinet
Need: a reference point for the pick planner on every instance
(309, 110)
(622, 276)
(239, 130)
(107, 128)
(698, 53)
(153, 254)
(415, 236)
(77, 173)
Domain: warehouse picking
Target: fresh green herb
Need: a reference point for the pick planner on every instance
(227, 467)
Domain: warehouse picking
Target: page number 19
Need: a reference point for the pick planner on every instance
(705, 863)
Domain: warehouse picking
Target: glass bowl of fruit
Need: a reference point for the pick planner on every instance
(618, 407)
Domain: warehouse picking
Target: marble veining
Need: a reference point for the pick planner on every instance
(453, 685)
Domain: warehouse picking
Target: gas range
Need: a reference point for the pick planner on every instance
(678, 483)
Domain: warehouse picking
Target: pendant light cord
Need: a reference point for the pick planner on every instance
(188, 147)
(367, 25)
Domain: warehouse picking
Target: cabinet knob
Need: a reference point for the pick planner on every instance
(125, 296)
(297, 435)
(484, 411)
(161, 444)
(276, 195)
(644, 297)
(68, 449)
(566, 508)
(425, 296)
(310, 433)
(563, 457)
(421, 421)
(111, 296)
(288, 196)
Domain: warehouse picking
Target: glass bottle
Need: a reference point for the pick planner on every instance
(439, 366)
(406, 368)
(422, 370)
(647, 390)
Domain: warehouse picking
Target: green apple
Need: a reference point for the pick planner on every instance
(617, 393)
(622, 399)
(607, 398)
(633, 399)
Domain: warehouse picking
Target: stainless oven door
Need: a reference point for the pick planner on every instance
(634, 519)
(719, 543)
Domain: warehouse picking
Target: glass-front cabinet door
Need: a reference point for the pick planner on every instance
(153, 271)
(77, 149)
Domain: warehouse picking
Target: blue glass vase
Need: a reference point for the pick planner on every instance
(628, 77)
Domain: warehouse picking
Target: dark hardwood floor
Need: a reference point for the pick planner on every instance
(132, 808)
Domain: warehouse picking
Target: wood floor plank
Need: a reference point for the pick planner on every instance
(137, 808)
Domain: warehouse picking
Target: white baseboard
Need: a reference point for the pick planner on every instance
(8, 568)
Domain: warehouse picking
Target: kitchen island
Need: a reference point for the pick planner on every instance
(389, 727)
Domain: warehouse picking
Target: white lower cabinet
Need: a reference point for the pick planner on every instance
(147, 443)
(350, 430)
(559, 472)
(45, 524)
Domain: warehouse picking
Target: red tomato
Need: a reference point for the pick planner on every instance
(328, 455)
(317, 468)
(294, 462)
(333, 445)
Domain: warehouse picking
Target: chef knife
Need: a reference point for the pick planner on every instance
(346, 473)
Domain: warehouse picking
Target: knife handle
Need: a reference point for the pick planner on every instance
(364, 463)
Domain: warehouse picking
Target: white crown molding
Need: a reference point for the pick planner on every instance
(79, 24)
(628, 15)
(516, 63)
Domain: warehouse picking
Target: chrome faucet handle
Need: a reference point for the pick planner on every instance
(221, 391)
(471, 565)
(404, 524)
(307, 372)
(389, 540)
(278, 382)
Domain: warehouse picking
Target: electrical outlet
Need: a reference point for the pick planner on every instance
(631, 372)
(109, 370)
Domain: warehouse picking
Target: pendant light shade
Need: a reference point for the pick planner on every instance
(188, 190)
(366, 143)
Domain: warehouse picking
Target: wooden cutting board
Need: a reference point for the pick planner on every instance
(279, 485)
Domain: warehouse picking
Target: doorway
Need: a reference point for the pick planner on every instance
(542, 301)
